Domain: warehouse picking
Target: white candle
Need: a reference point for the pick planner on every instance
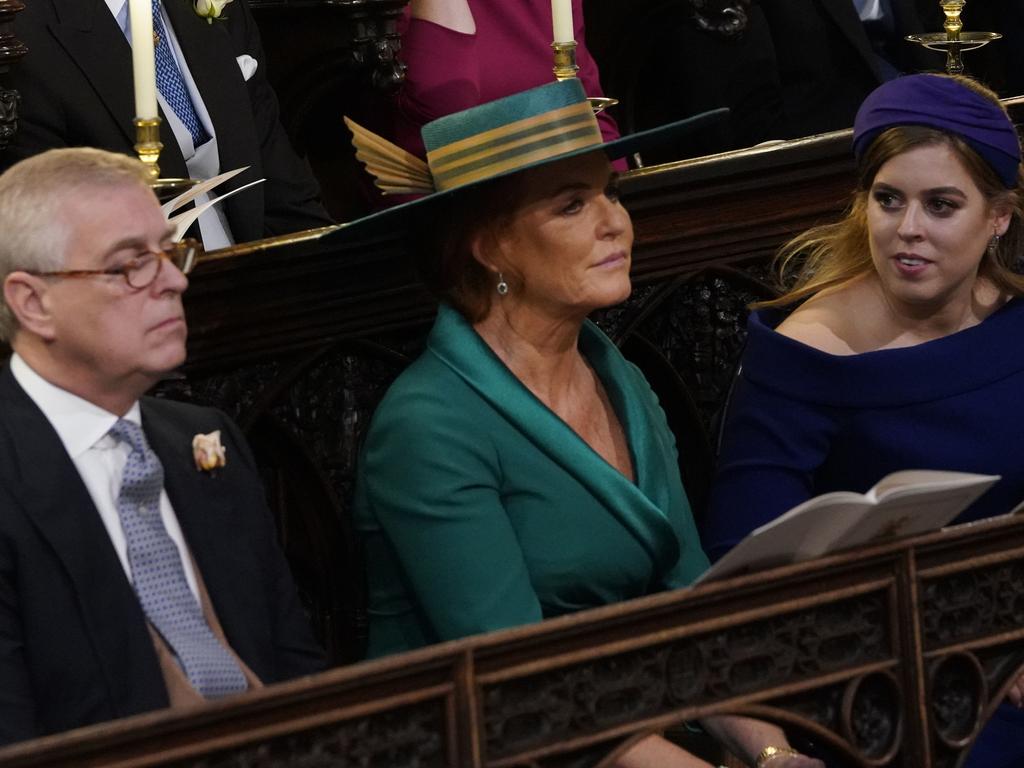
(561, 21)
(140, 18)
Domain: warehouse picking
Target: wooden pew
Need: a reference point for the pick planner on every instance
(893, 654)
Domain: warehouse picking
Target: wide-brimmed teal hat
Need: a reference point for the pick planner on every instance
(525, 130)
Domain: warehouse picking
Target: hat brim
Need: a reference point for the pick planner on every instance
(615, 149)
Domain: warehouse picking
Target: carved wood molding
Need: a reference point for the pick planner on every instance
(369, 38)
(727, 18)
(894, 655)
(11, 49)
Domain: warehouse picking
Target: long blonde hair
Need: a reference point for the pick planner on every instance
(831, 255)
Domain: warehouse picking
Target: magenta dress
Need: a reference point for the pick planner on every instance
(511, 51)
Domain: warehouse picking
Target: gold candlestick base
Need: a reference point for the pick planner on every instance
(566, 67)
(965, 41)
(954, 41)
(600, 103)
(565, 60)
(148, 146)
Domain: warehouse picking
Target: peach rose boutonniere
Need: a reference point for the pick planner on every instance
(210, 9)
(207, 451)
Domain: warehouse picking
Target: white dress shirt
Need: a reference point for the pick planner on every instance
(201, 164)
(869, 10)
(100, 459)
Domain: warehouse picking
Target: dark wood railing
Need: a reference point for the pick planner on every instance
(893, 655)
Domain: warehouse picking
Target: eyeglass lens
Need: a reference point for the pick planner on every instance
(144, 271)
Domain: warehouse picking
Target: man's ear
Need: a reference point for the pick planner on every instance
(25, 294)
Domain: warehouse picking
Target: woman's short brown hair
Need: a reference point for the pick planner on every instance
(446, 261)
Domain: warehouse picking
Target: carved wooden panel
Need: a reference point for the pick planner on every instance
(327, 59)
(727, 18)
(11, 49)
(829, 648)
(573, 702)
(406, 737)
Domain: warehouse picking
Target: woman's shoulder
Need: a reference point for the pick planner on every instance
(826, 352)
(851, 320)
(427, 385)
(826, 322)
(442, 386)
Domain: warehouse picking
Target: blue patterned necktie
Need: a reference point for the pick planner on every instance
(159, 576)
(171, 84)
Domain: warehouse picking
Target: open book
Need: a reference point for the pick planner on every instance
(901, 504)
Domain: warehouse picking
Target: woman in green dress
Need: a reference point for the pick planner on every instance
(521, 468)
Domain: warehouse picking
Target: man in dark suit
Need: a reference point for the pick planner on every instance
(135, 573)
(829, 59)
(76, 89)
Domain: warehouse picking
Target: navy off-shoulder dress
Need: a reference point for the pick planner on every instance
(802, 422)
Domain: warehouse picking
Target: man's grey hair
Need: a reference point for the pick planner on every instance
(34, 233)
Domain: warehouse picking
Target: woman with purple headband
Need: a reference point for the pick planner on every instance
(904, 350)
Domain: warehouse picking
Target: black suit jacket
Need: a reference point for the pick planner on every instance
(74, 646)
(76, 89)
(826, 62)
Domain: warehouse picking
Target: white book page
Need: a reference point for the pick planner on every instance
(915, 480)
(804, 532)
(183, 221)
(196, 190)
(907, 512)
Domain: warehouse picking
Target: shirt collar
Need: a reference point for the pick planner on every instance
(119, 8)
(79, 424)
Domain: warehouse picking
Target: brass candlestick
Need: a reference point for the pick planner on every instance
(565, 60)
(954, 41)
(566, 67)
(148, 146)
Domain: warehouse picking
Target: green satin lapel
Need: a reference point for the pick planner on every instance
(638, 507)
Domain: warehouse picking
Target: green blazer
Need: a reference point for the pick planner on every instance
(480, 509)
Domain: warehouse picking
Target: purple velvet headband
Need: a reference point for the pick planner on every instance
(942, 103)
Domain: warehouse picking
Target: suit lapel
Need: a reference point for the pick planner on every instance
(54, 497)
(90, 35)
